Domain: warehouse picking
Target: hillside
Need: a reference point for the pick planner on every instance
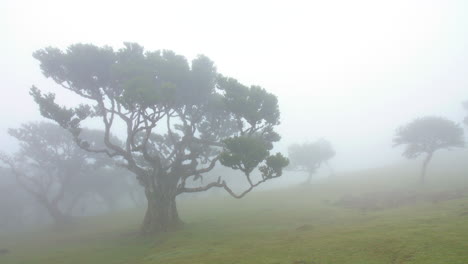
(373, 216)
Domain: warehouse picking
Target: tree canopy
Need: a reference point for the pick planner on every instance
(179, 119)
(426, 135)
(310, 156)
(465, 105)
(51, 167)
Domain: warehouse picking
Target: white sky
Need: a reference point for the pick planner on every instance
(349, 71)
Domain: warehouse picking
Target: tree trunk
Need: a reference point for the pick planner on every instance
(309, 179)
(332, 172)
(161, 214)
(424, 167)
(111, 202)
(60, 218)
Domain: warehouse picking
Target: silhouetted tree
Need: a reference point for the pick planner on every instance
(465, 105)
(310, 156)
(112, 185)
(179, 119)
(427, 135)
(49, 165)
(13, 203)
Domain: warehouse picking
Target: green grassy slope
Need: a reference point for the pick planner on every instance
(290, 226)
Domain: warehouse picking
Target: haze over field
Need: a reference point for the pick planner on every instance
(349, 71)
(279, 132)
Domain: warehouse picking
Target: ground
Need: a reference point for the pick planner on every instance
(295, 225)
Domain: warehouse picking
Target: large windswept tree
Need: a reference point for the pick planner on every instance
(427, 135)
(309, 157)
(50, 167)
(176, 119)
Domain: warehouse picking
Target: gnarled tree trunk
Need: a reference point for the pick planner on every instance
(161, 214)
(59, 217)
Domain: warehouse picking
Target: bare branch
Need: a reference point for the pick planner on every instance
(222, 184)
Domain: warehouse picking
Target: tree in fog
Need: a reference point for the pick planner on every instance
(112, 185)
(13, 202)
(50, 166)
(309, 157)
(179, 119)
(424, 136)
(465, 105)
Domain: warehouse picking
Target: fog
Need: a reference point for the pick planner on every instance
(348, 72)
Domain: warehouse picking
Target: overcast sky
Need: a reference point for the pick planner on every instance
(348, 71)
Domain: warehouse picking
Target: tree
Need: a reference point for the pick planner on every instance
(13, 203)
(49, 165)
(113, 185)
(179, 119)
(427, 135)
(465, 105)
(310, 156)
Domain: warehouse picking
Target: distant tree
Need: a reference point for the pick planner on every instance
(113, 185)
(465, 105)
(179, 119)
(49, 165)
(13, 203)
(309, 157)
(427, 135)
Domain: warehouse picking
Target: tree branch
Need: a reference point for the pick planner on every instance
(222, 184)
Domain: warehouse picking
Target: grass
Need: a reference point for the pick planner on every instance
(299, 225)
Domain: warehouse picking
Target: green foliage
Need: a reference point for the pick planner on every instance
(310, 156)
(49, 109)
(254, 103)
(244, 153)
(465, 105)
(84, 67)
(428, 134)
(161, 78)
(274, 166)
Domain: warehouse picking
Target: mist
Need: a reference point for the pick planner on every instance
(353, 74)
(332, 65)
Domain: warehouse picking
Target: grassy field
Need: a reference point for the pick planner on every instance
(298, 225)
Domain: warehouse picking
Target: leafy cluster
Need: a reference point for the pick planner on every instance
(246, 153)
(428, 134)
(465, 105)
(310, 156)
